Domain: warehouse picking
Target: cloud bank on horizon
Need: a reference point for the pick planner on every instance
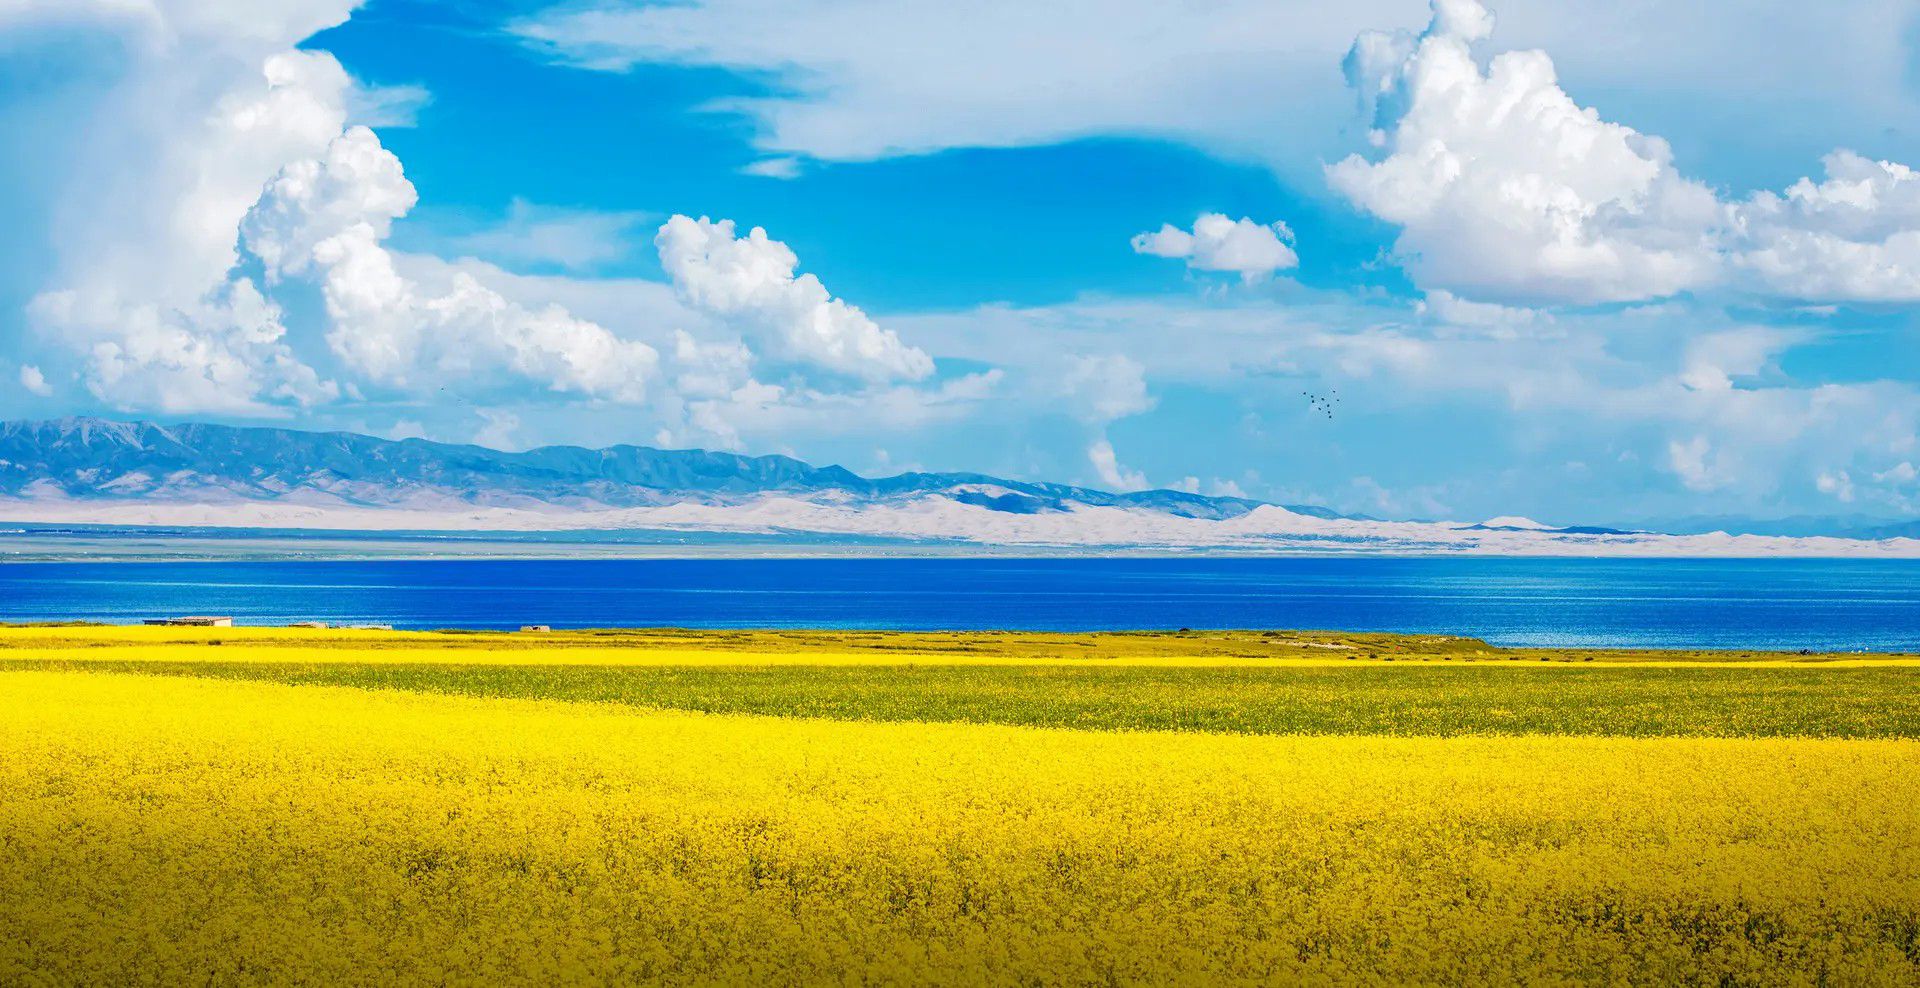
(1622, 276)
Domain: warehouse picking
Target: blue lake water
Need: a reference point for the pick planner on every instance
(1820, 604)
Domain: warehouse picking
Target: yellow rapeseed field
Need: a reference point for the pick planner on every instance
(166, 829)
(170, 830)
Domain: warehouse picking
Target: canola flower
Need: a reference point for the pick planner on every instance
(169, 830)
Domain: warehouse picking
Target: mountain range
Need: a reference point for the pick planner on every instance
(91, 458)
(99, 471)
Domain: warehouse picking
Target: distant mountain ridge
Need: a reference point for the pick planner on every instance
(1856, 526)
(93, 458)
(99, 472)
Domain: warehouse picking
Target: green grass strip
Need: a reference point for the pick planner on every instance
(1412, 700)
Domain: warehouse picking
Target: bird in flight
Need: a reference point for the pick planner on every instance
(1322, 403)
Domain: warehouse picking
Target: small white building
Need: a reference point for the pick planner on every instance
(197, 621)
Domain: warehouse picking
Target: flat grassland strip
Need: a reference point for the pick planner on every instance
(1406, 700)
(891, 647)
(1238, 682)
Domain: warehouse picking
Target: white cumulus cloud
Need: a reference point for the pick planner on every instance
(1252, 250)
(152, 298)
(1504, 187)
(498, 430)
(1491, 319)
(328, 217)
(1903, 472)
(1106, 387)
(1698, 465)
(751, 281)
(145, 293)
(1713, 361)
(1854, 235)
(34, 381)
(1507, 189)
(1106, 466)
(1836, 484)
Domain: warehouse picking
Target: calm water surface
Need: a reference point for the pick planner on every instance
(1823, 604)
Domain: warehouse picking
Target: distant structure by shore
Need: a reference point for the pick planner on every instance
(198, 621)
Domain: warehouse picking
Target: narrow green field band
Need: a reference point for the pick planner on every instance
(1404, 699)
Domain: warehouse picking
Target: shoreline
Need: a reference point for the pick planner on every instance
(1213, 648)
(220, 545)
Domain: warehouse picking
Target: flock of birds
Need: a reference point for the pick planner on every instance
(1323, 404)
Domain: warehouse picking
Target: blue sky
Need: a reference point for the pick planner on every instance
(1614, 265)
